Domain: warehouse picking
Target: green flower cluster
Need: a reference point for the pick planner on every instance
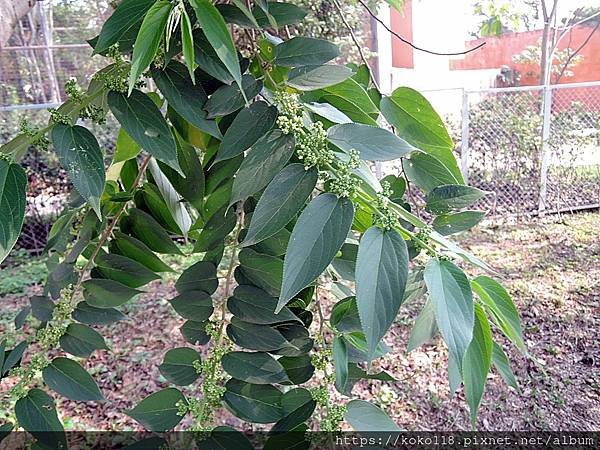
(384, 218)
(311, 140)
(345, 185)
(422, 240)
(57, 117)
(89, 111)
(116, 78)
(40, 142)
(333, 414)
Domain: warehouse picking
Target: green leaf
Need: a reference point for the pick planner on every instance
(124, 270)
(247, 128)
(381, 274)
(256, 368)
(424, 329)
(454, 375)
(396, 4)
(328, 112)
(80, 340)
(265, 159)
(502, 365)
(217, 34)
(13, 357)
(318, 235)
(253, 402)
(85, 313)
(503, 311)
(427, 172)
(123, 23)
(254, 305)
(178, 366)
(477, 362)
(187, 43)
(310, 78)
(42, 308)
(417, 122)
(148, 39)
(159, 411)
(142, 120)
(171, 198)
(452, 299)
(68, 378)
(185, 97)
(145, 228)
(138, 251)
(304, 51)
(224, 438)
(264, 271)
(340, 362)
(280, 202)
(298, 406)
(283, 13)
(216, 230)
(228, 98)
(107, 293)
(193, 305)
(345, 316)
(222, 173)
(202, 276)
(36, 413)
(126, 148)
(447, 224)
(364, 416)
(13, 187)
(373, 143)
(345, 264)
(299, 369)
(261, 338)
(195, 332)
(446, 198)
(353, 92)
(79, 154)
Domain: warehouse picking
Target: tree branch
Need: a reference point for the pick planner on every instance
(575, 53)
(406, 41)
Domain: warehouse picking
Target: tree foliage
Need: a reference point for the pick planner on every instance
(270, 180)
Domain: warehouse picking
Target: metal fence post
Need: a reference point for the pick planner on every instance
(545, 147)
(464, 148)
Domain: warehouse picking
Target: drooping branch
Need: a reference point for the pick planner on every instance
(406, 41)
(575, 52)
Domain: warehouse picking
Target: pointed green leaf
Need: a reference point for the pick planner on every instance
(310, 78)
(503, 311)
(13, 357)
(79, 154)
(202, 276)
(477, 362)
(187, 43)
(159, 411)
(447, 224)
(216, 230)
(193, 305)
(340, 362)
(280, 202)
(254, 305)
(145, 228)
(318, 235)
(427, 171)
(247, 128)
(373, 143)
(298, 406)
(364, 416)
(452, 299)
(149, 38)
(256, 368)
(107, 293)
(216, 32)
(264, 271)
(250, 336)
(265, 159)
(42, 308)
(381, 274)
(253, 402)
(417, 122)
(299, 369)
(68, 378)
(228, 98)
(123, 23)
(283, 13)
(124, 270)
(303, 51)
(142, 120)
(345, 317)
(36, 413)
(133, 248)
(178, 366)
(424, 329)
(185, 97)
(85, 313)
(13, 187)
(328, 112)
(80, 340)
(502, 365)
(446, 198)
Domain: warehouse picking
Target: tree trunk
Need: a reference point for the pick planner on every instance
(546, 56)
(11, 12)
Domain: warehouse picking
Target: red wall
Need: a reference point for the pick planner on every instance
(499, 51)
(402, 23)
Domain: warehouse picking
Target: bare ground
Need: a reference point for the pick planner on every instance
(552, 269)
